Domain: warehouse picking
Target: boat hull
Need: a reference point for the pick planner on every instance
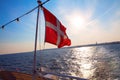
(11, 75)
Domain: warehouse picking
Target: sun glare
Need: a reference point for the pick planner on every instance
(77, 20)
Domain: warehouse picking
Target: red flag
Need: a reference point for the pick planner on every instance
(55, 31)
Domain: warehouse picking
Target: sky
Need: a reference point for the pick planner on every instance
(87, 22)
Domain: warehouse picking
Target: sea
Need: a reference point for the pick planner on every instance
(98, 62)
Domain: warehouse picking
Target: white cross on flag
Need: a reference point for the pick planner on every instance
(55, 31)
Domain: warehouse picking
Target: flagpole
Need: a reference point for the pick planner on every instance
(35, 48)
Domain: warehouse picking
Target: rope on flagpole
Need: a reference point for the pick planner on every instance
(17, 19)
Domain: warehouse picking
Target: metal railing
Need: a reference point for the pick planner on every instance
(63, 76)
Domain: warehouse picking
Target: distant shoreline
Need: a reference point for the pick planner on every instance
(87, 45)
(96, 44)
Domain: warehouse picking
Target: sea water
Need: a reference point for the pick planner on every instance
(100, 62)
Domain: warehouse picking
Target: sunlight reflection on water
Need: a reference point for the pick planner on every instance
(98, 62)
(84, 57)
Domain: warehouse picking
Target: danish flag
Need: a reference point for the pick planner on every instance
(55, 31)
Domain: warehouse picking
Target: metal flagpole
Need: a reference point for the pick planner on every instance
(35, 48)
(36, 35)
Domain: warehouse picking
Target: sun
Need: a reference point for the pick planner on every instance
(77, 20)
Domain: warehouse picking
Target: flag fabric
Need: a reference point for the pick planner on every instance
(55, 31)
